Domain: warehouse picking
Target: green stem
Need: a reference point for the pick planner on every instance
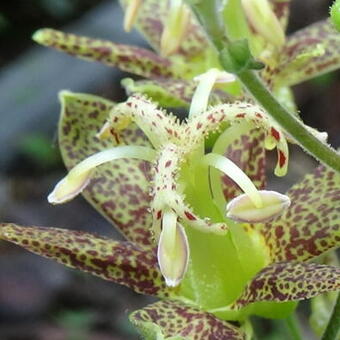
(293, 327)
(289, 122)
(211, 20)
(333, 326)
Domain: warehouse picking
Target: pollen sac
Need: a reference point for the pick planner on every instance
(173, 254)
(242, 209)
(69, 187)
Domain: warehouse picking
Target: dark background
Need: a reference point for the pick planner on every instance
(40, 299)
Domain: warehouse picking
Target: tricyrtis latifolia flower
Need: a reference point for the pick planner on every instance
(202, 233)
(245, 269)
(179, 161)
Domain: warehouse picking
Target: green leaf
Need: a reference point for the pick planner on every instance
(120, 262)
(311, 225)
(290, 281)
(170, 320)
(118, 190)
(132, 59)
(308, 53)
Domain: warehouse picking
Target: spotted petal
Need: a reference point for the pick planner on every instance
(308, 53)
(171, 92)
(118, 190)
(132, 59)
(290, 281)
(120, 262)
(170, 320)
(311, 226)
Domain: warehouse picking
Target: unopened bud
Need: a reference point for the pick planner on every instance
(175, 27)
(264, 21)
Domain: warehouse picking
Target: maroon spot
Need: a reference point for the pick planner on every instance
(167, 164)
(190, 216)
(275, 134)
(282, 159)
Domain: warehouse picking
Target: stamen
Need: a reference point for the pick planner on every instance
(242, 209)
(78, 178)
(173, 250)
(209, 121)
(131, 13)
(175, 27)
(236, 174)
(156, 124)
(206, 82)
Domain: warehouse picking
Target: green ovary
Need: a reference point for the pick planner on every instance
(221, 266)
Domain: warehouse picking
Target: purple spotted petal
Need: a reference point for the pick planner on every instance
(132, 59)
(294, 68)
(170, 319)
(171, 92)
(290, 281)
(120, 262)
(118, 190)
(311, 226)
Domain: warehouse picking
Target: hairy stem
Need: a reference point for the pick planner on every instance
(210, 17)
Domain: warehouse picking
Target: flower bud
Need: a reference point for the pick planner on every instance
(175, 27)
(264, 21)
(242, 208)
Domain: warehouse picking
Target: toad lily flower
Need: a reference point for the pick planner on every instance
(202, 233)
(234, 269)
(178, 151)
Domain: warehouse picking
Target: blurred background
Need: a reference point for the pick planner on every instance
(40, 299)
